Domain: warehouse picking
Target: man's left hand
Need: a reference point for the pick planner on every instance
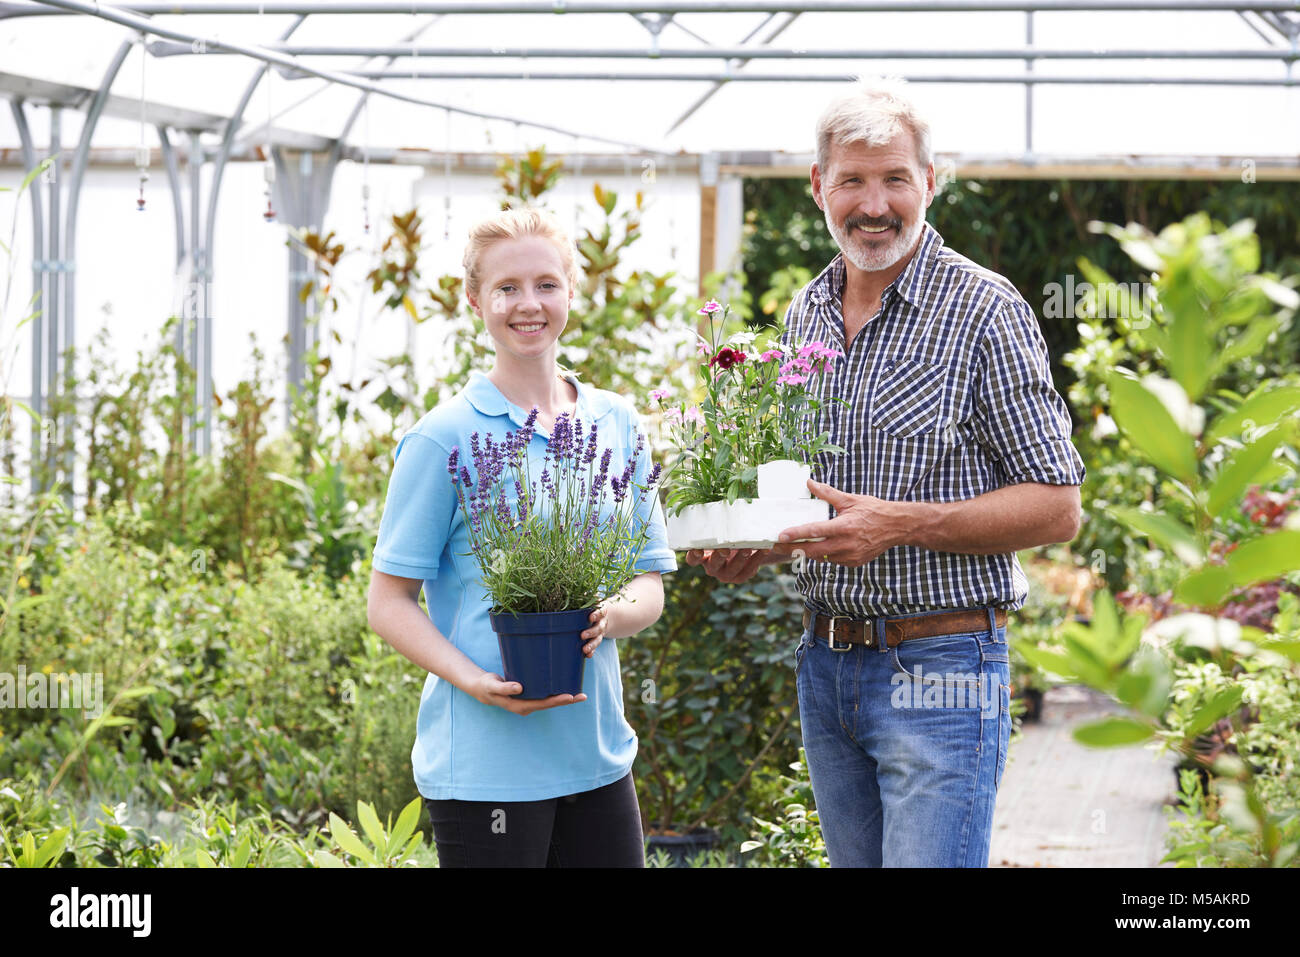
(863, 528)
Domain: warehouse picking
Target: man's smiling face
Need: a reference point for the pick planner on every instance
(874, 199)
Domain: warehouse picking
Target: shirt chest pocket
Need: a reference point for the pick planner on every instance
(909, 398)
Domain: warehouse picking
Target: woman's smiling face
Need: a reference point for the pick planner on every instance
(524, 296)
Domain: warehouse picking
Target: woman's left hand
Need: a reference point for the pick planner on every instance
(594, 635)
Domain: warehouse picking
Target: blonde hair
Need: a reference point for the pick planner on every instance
(514, 224)
(874, 112)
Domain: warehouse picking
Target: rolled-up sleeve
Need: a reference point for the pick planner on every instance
(418, 511)
(1019, 418)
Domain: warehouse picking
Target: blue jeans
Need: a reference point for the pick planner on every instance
(905, 746)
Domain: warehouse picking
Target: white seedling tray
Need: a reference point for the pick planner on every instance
(742, 524)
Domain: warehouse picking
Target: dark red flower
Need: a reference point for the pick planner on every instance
(726, 358)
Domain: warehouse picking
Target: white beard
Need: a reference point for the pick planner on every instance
(870, 259)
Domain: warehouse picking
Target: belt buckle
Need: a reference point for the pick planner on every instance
(830, 638)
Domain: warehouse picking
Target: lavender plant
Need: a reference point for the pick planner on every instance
(564, 541)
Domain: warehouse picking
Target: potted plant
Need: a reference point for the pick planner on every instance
(744, 453)
(550, 547)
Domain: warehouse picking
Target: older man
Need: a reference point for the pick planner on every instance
(958, 454)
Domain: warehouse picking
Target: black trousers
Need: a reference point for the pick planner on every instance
(598, 828)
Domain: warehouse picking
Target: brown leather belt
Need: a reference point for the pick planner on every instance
(855, 632)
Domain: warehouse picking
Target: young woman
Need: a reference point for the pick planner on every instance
(510, 782)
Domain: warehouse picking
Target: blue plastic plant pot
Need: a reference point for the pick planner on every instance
(542, 650)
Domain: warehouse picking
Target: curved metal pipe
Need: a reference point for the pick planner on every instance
(37, 394)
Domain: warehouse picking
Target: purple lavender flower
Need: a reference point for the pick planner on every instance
(575, 449)
(561, 436)
(503, 511)
(619, 485)
(590, 456)
(532, 418)
(473, 445)
(654, 474)
(451, 461)
(464, 477)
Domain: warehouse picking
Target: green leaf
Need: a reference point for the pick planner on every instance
(1264, 558)
(242, 853)
(1051, 662)
(1146, 423)
(374, 830)
(1206, 587)
(1168, 532)
(1226, 701)
(1145, 685)
(1189, 348)
(1261, 409)
(1113, 732)
(348, 841)
(326, 859)
(1243, 468)
(1246, 343)
(406, 822)
(1290, 649)
(203, 859)
(51, 848)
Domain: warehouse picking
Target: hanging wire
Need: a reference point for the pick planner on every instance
(446, 179)
(268, 169)
(365, 165)
(142, 151)
(672, 208)
(519, 166)
(577, 185)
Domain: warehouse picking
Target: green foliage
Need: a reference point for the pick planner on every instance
(710, 690)
(1211, 310)
(796, 839)
(389, 845)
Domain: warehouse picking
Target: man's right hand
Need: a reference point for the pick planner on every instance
(733, 565)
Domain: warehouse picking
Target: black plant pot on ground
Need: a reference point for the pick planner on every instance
(679, 847)
(1033, 699)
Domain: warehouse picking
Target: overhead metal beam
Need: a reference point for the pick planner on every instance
(739, 65)
(963, 78)
(162, 48)
(126, 18)
(570, 7)
(777, 165)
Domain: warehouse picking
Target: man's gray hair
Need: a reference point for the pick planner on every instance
(874, 112)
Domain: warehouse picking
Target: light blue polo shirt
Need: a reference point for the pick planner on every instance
(464, 749)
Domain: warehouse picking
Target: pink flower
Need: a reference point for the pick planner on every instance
(673, 416)
(702, 348)
(771, 355)
(727, 427)
(710, 307)
(658, 394)
(693, 414)
(791, 380)
(797, 365)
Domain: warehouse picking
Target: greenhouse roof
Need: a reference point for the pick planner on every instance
(1000, 79)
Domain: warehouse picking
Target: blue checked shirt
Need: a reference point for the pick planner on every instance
(949, 396)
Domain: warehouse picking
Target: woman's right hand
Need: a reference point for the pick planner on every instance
(494, 690)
